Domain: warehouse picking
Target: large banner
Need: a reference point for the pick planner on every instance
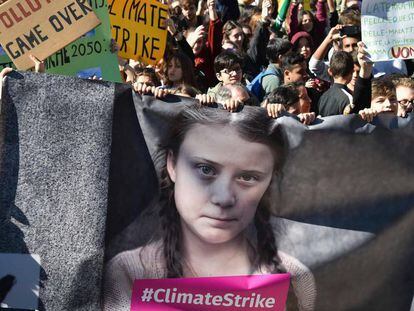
(77, 174)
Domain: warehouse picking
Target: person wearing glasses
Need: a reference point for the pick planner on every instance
(404, 89)
(228, 68)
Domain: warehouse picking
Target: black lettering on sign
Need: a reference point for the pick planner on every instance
(162, 16)
(56, 23)
(154, 48)
(142, 15)
(68, 15)
(85, 8)
(26, 42)
(110, 8)
(60, 58)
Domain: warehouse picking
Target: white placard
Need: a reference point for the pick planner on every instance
(387, 28)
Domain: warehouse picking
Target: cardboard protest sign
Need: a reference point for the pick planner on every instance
(139, 28)
(89, 55)
(212, 293)
(387, 29)
(42, 27)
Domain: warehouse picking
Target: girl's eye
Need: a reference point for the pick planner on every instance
(248, 178)
(206, 170)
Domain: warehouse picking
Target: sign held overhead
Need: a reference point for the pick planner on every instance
(42, 27)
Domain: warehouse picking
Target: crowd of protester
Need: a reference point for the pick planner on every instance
(238, 53)
(314, 65)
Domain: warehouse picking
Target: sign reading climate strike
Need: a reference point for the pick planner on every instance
(388, 28)
(42, 27)
(139, 28)
(231, 293)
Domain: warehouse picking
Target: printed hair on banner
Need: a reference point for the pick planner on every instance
(336, 210)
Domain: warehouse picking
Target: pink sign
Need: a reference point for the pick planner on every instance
(252, 292)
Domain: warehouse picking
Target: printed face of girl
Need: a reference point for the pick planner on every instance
(174, 70)
(219, 179)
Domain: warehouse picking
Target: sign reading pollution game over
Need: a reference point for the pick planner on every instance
(42, 27)
(387, 29)
(139, 28)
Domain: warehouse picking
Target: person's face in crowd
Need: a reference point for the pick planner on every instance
(405, 97)
(307, 23)
(236, 36)
(175, 72)
(354, 76)
(349, 44)
(304, 100)
(189, 12)
(304, 48)
(390, 103)
(144, 79)
(297, 74)
(231, 76)
(219, 182)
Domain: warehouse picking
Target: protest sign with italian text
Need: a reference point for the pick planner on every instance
(387, 29)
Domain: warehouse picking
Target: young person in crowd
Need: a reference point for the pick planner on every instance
(334, 101)
(294, 68)
(384, 100)
(404, 88)
(270, 79)
(286, 98)
(213, 209)
(179, 69)
(228, 67)
(302, 20)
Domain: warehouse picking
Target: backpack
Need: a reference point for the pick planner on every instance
(255, 87)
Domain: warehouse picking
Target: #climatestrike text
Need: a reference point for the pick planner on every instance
(171, 296)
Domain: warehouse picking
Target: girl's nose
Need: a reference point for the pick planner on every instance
(222, 193)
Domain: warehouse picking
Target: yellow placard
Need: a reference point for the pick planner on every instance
(42, 27)
(139, 28)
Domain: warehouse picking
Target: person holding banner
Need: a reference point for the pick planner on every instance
(214, 207)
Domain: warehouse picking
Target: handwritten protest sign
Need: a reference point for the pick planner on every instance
(42, 27)
(139, 28)
(212, 293)
(90, 55)
(388, 29)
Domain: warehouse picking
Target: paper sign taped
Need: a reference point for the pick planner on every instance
(139, 28)
(42, 27)
(212, 293)
(387, 29)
